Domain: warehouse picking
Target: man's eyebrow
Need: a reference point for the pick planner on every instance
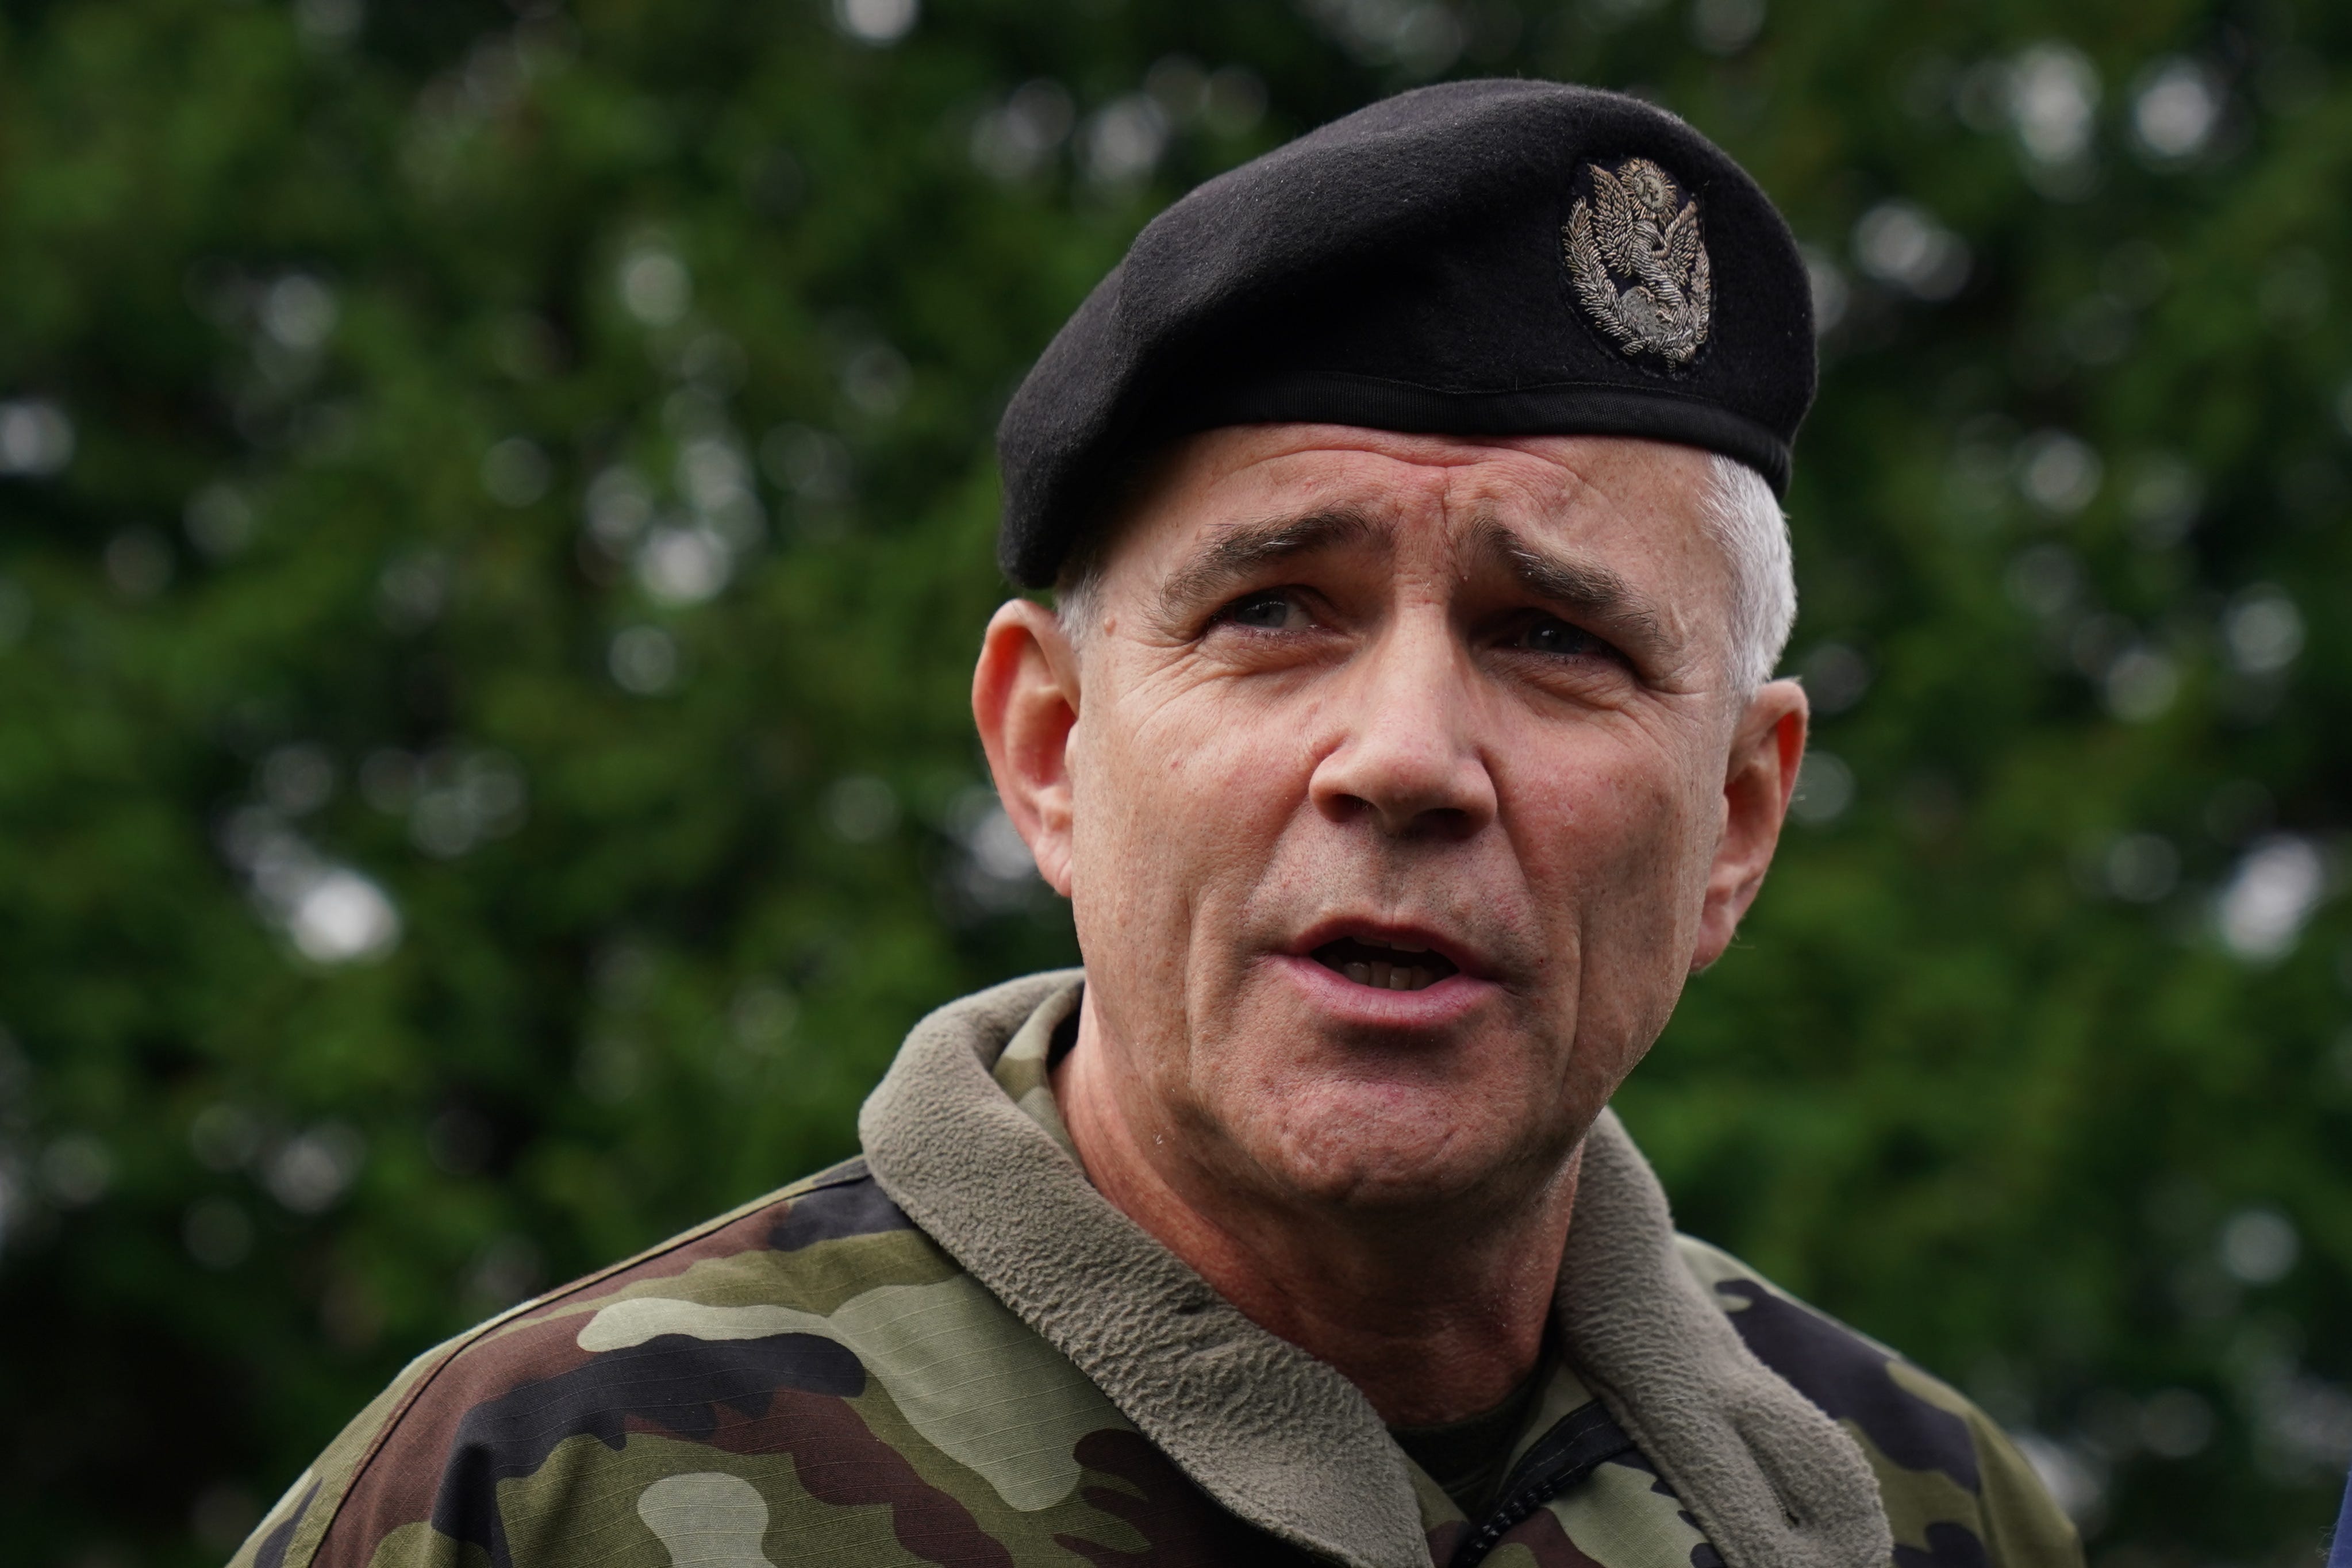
(1585, 588)
(1242, 549)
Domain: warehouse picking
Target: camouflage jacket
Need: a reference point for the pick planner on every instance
(954, 1351)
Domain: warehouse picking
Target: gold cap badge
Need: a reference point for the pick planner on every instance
(1638, 262)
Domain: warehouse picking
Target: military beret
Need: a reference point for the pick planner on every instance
(1478, 258)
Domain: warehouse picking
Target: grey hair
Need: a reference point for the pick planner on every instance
(1077, 593)
(1738, 510)
(1744, 517)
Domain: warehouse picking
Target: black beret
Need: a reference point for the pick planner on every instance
(1479, 258)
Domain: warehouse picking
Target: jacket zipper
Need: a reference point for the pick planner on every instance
(1584, 1439)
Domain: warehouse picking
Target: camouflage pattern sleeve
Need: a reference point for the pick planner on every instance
(302, 1512)
(809, 1380)
(294, 1530)
(1956, 1491)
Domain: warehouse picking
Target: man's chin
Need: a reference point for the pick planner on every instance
(1342, 1114)
(1372, 1148)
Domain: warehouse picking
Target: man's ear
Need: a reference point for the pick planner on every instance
(1025, 700)
(1762, 773)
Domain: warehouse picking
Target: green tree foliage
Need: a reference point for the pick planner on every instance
(497, 514)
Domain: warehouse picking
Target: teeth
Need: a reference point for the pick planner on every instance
(1391, 976)
(1381, 976)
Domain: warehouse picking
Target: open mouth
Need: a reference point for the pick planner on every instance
(1384, 967)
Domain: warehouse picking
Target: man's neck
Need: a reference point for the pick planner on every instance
(1434, 1318)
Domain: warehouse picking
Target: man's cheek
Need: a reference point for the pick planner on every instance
(1610, 870)
(1216, 762)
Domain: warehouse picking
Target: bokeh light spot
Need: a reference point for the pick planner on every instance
(2142, 867)
(76, 1170)
(876, 22)
(2259, 1246)
(299, 312)
(36, 438)
(2059, 473)
(643, 660)
(1013, 141)
(1835, 677)
(684, 565)
(1124, 140)
(139, 562)
(2262, 631)
(1901, 244)
(1825, 788)
(861, 809)
(2140, 683)
(342, 917)
(219, 521)
(2176, 110)
(2175, 1423)
(1725, 26)
(654, 287)
(2053, 99)
(2269, 897)
(315, 1167)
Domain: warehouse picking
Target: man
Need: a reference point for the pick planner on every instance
(1404, 738)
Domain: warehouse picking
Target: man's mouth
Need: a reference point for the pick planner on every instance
(1384, 966)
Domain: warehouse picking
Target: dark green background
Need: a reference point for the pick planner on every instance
(1984, 1076)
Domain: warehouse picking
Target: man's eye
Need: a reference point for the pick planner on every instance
(1272, 611)
(1549, 633)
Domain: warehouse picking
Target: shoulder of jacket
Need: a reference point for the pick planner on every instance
(387, 1470)
(1955, 1488)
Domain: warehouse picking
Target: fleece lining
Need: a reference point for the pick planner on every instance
(1773, 1481)
(1282, 1439)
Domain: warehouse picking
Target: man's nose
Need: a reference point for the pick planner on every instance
(1407, 758)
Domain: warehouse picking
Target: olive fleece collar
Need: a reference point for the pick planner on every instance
(1281, 1438)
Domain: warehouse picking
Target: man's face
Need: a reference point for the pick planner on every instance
(1396, 801)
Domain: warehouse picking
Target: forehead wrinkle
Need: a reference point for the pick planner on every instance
(1237, 549)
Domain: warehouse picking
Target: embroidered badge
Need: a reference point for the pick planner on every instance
(1639, 263)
